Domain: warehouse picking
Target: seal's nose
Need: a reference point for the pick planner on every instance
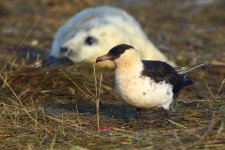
(54, 61)
(63, 49)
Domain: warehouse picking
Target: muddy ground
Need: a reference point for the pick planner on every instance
(54, 108)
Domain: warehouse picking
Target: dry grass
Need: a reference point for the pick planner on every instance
(55, 108)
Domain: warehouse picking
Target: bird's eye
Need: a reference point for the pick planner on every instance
(90, 40)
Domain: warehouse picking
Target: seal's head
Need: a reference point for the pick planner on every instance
(93, 31)
(88, 44)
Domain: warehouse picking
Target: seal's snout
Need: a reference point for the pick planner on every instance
(64, 49)
(54, 61)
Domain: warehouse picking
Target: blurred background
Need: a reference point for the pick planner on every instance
(187, 29)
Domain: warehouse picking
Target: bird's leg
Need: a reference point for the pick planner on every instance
(167, 115)
(138, 121)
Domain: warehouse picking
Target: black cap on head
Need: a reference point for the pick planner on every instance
(116, 51)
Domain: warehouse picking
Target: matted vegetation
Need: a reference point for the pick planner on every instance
(55, 108)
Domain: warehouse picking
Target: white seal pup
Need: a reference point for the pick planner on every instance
(93, 31)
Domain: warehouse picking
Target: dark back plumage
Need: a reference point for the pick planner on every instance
(161, 71)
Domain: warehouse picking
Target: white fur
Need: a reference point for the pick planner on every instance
(137, 90)
(110, 26)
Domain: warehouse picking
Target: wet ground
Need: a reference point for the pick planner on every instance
(55, 107)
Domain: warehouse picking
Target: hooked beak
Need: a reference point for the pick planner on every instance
(103, 58)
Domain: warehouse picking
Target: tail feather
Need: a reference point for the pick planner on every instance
(186, 80)
(182, 73)
(186, 69)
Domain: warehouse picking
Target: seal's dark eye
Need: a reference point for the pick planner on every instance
(90, 40)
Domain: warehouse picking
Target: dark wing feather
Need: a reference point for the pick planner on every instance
(161, 71)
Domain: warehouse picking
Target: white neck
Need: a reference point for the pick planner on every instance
(129, 63)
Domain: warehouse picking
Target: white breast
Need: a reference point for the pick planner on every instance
(143, 92)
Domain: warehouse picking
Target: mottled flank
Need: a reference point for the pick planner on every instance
(161, 71)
